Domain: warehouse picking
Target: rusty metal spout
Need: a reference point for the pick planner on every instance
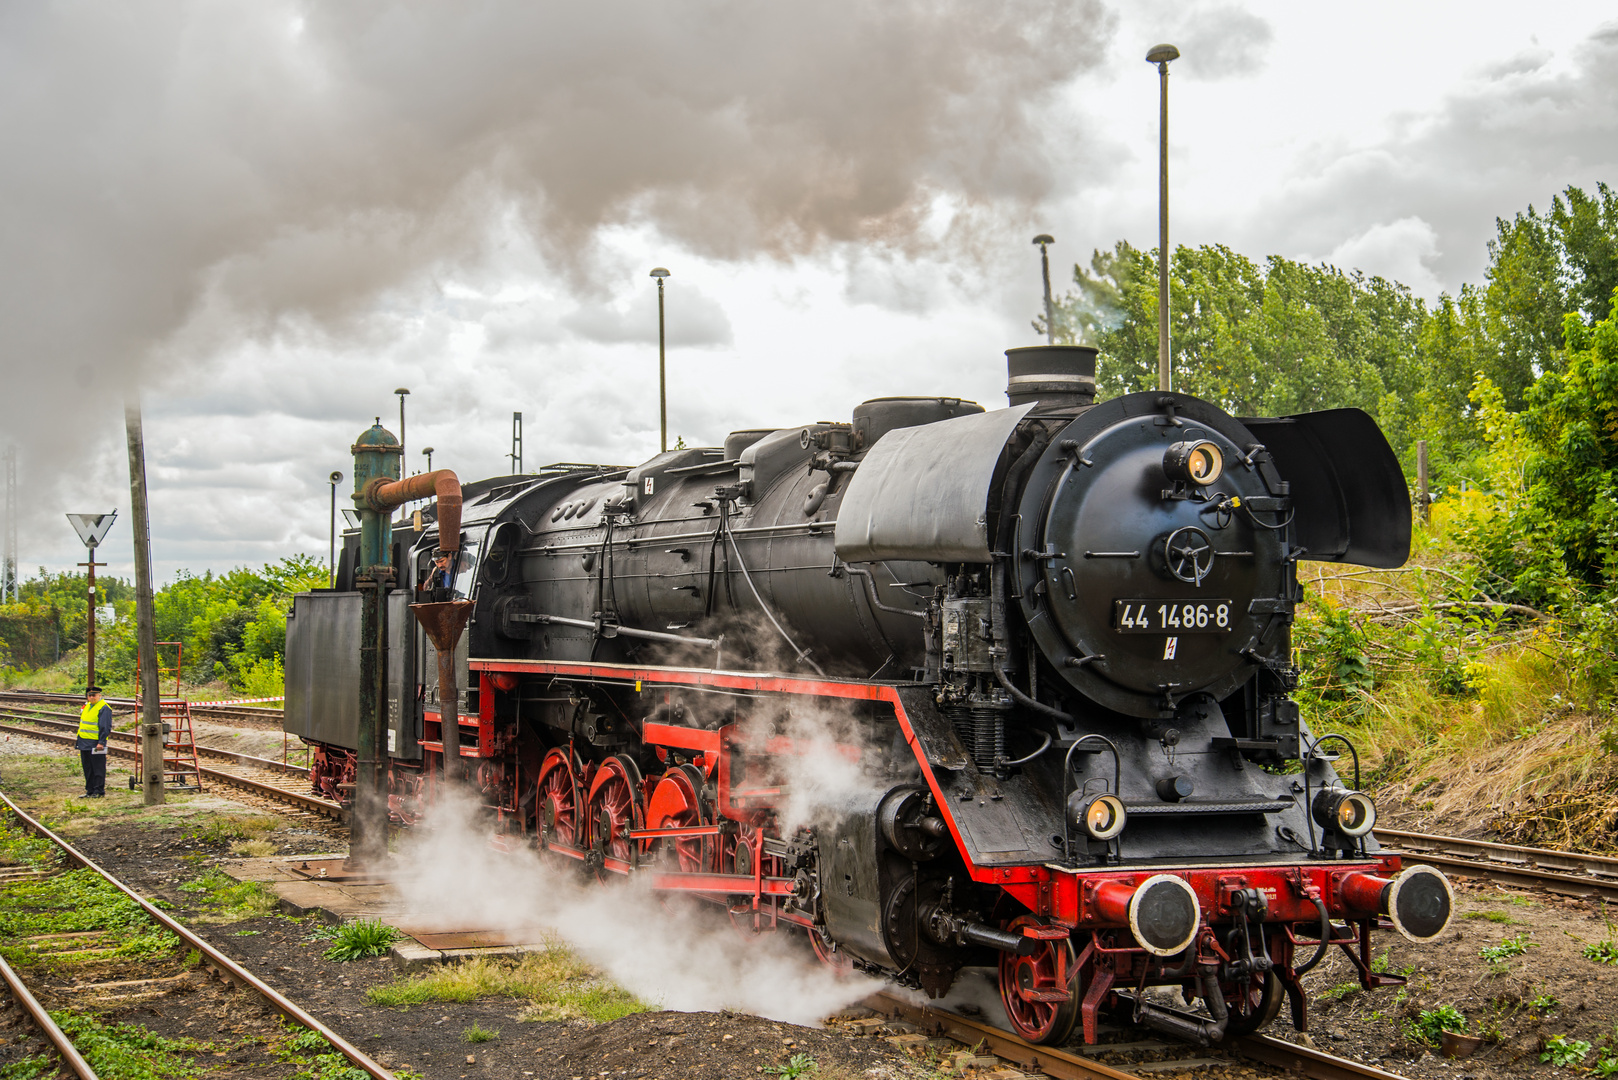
(443, 623)
(383, 494)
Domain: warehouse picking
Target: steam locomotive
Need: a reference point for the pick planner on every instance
(1053, 640)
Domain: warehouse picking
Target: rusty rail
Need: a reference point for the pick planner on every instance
(227, 968)
(312, 803)
(42, 1020)
(1003, 1044)
(203, 709)
(1302, 1060)
(127, 737)
(1566, 873)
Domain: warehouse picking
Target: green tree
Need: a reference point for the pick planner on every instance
(1587, 233)
(1267, 339)
(1571, 420)
(1542, 267)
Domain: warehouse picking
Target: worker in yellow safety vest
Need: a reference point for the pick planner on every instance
(95, 724)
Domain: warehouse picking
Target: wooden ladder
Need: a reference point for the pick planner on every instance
(180, 767)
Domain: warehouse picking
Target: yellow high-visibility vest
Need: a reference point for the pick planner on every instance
(90, 721)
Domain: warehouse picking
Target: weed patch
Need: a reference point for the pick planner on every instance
(69, 902)
(797, 1065)
(1503, 917)
(1341, 991)
(229, 900)
(1564, 1052)
(220, 830)
(1602, 952)
(314, 1057)
(555, 983)
(1429, 1027)
(1512, 946)
(129, 1051)
(476, 1034)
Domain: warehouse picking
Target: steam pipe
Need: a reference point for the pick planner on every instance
(1185, 1025)
(443, 621)
(382, 494)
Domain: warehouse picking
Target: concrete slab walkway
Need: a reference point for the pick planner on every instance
(317, 884)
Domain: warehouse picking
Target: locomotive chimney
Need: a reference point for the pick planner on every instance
(1060, 378)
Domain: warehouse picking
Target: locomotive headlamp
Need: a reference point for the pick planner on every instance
(1198, 463)
(1100, 815)
(1351, 813)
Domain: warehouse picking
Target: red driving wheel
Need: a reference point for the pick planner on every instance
(557, 812)
(737, 856)
(675, 804)
(1029, 985)
(613, 809)
(828, 952)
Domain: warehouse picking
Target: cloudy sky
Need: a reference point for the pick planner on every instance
(265, 217)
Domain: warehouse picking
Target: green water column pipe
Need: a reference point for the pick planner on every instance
(376, 461)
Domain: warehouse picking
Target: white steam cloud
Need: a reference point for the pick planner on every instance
(181, 178)
(687, 959)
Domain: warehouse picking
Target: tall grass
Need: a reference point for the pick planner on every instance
(1459, 708)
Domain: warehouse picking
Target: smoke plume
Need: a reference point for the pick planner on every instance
(181, 178)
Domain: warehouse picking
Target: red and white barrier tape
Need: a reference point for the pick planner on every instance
(241, 701)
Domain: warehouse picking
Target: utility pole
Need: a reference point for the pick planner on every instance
(1161, 55)
(516, 445)
(1423, 499)
(10, 588)
(662, 366)
(1045, 267)
(151, 709)
(92, 529)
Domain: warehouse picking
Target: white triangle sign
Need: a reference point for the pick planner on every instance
(92, 528)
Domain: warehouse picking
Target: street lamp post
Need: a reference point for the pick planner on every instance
(92, 529)
(662, 367)
(1045, 267)
(334, 479)
(1161, 55)
(403, 393)
(427, 453)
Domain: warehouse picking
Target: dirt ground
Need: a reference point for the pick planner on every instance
(1549, 989)
(1515, 1002)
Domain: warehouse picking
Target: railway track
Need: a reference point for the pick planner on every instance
(1291, 1058)
(1589, 877)
(251, 714)
(23, 999)
(128, 738)
(274, 780)
(216, 963)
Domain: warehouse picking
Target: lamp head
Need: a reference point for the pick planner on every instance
(401, 391)
(427, 450)
(659, 272)
(1162, 54)
(1044, 238)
